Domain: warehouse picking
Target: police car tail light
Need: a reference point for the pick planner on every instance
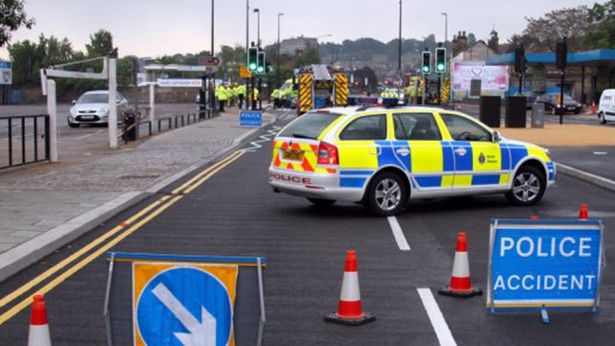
(327, 154)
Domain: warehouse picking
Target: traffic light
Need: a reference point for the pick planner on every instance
(260, 62)
(441, 60)
(561, 52)
(426, 65)
(252, 59)
(520, 61)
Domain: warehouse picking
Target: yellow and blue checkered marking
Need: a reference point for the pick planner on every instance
(435, 164)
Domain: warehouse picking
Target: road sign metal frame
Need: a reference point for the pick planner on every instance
(242, 261)
(546, 224)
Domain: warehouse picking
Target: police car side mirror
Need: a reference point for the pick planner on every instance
(496, 137)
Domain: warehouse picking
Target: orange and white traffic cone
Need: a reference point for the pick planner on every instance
(583, 212)
(349, 310)
(594, 107)
(39, 329)
(461, 283)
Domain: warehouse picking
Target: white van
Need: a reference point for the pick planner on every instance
(606, 108)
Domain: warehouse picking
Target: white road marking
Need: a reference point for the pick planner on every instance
(600, 153)
(435, 316)
(402, 243)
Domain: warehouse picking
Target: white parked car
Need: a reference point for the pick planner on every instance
(606, 108)
(92, 107)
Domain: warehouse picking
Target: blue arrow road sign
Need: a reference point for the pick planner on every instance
(184, 306)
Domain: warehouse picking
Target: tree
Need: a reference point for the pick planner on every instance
(541, 34)
(12, 17)
(101, 44)
(603, 17)
(494, 41)
(471, 39)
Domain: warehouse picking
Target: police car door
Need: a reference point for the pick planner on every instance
(418, 144)
(478, 159)
(359, 147)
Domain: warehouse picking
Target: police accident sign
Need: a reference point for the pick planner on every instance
(544, 263)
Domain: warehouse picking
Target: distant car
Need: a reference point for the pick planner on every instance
(606, 108)
(552, 105)
(92, 107)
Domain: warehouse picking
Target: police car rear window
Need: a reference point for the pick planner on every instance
(309, 125)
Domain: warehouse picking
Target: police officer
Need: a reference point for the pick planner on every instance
(222, 96)
(240, 90)
(276, 94)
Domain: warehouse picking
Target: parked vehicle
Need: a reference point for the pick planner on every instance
(552, 105)
(383, 157)
(606, 107)
(92, 107)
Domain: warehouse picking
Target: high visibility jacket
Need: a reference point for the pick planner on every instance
(276, 94)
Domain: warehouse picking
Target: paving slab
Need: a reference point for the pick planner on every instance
(45, 206)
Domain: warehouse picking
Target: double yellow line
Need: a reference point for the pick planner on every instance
(126, 228)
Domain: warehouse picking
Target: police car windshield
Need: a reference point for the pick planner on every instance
(309, 125)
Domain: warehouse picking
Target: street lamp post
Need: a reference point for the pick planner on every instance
(445, 14)
(278, 51)
(258, 45)
(258, 27)
(247, 50)
(401, 78)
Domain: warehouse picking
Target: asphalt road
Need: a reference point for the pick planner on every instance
(235, 212)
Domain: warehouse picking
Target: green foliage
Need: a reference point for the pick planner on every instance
(12, 17)
(101, 44)
(603, 16)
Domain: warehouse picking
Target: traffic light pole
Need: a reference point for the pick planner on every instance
(561, 97)
(439, 88)
(260, 98)
(423, 90)
(252, 97)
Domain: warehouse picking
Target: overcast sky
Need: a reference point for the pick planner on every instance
(157, 27)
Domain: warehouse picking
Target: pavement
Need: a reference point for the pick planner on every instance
(75, 144)
(43, 207)
(233, 211)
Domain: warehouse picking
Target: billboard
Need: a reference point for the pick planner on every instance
(6, 73)
(493, 79)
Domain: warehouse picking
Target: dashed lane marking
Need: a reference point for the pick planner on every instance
(402, 243)
(443, 333)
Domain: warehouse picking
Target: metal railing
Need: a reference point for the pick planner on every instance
(24, 139)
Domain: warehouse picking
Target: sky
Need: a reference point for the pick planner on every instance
(152, 28)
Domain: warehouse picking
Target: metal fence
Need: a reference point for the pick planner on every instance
(24, 139)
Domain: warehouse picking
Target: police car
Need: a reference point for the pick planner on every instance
(382, 157)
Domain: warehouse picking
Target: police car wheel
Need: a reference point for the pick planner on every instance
(602, 118)
(318, 202)
(386, 194)
(528, 186)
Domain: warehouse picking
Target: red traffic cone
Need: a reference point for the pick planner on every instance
(583, 212)
(461, 284)
(594, 108)
(39, 329)
(349, 310)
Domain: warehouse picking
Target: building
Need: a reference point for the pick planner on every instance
(480, 51)
(292, 45)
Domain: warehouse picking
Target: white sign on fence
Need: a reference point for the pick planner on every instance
(180, 83)
(6, 73)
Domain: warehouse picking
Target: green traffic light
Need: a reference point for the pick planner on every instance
(260, 69)
(440, 67)
(252, 66)
(425, 69)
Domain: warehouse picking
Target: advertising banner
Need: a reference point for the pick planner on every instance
(493, 78)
